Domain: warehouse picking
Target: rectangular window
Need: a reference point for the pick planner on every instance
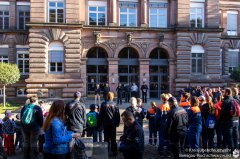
(233, 59)
(23, 60)
(55, 93)
(56, 12)
(232, 22)
(23, 16)
(197, 15)
(128, 14)
(197, 63)
(158, 15)
(55, 60)
(22, 91)
(4, 20)
(4, 59)
(4, 53)
(97, 15)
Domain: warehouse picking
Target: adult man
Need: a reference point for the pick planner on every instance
(132, 141)
(176, 126)
(75, 112)
(119, 90)
(134, 90)
(127, 90)
(109, 117)
(229, 123)
(106, 89)
(31, 127)
(144, 89)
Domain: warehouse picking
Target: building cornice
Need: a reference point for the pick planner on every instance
(14, 31)
(227, 37)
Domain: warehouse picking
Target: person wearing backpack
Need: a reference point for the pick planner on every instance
(208, 123)
(109, 117)
(92, 117)
(75, 112)
(229, 122)
(32, 121)
(176, 127)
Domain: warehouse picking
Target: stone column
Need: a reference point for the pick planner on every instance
(144, 8)
(172, 75)
(113, 13)
(12, 14)
(173, 12)
(144, 74)
(84, 75)
(82, 11)
(113, 73)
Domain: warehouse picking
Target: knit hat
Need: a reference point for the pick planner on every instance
(8, 113)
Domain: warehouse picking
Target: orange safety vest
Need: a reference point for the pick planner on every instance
(164, 107)
(151, 111)
(195, 109)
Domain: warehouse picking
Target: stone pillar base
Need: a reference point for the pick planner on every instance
(144, 25)
(112, 24)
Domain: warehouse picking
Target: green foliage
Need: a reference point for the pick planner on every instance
(9, 73)
(235, 75)
(8, 107)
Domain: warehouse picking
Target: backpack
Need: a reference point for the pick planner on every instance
(235, 109)
(210, 122)
(92, 119)
(27, 117)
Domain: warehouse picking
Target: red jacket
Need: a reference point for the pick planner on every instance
(218, 107)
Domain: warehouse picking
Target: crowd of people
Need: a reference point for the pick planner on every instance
(187, 126)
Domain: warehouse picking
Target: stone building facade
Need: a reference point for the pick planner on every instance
(168, 44)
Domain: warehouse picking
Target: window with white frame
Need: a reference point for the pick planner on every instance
(158, 15)
(197, 14)
(4, 19)
(197, 54)
(232, 22)
(4, 53)
(56, 12)
(1, 92)
(128, 14)
(23, 16)
(97, 13)
(55, 57)
(23, 60)
(233, 59)
(21, 91)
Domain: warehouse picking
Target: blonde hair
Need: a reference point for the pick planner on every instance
(133, 101)
(164, 97)
(153, 103)
(235, 91)
(110, 96)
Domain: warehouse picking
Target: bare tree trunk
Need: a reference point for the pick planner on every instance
(4, 96)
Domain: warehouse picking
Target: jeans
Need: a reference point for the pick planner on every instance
(193, 137)
(219, 133)
(19, 140)
(92, 132)
(177, 143)
(100, 132)
(207, 137)
(110, 138)
(144, 97)
(30, 144)
(127, 97)
(151, 134)
(119, 99)
(162, 141)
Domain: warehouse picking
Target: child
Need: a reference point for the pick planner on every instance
(92, 117)
(8, 133)
(19, 136)
(151, 113)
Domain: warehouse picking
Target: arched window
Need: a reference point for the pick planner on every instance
(128, 53)
(55, 57)
(197, 52)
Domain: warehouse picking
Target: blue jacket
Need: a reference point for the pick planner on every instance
(57, 138)
(194, 119)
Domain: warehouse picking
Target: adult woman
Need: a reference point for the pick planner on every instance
(56, 136)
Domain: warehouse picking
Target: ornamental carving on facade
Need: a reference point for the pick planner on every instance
(129, 37)
(22, 39)
(97, 35)
(199, 38)
(3, 39)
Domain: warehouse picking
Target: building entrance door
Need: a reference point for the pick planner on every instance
(158, 71)
(97, 69)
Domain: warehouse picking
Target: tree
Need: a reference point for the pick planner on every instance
(9, 74)
(235, 74)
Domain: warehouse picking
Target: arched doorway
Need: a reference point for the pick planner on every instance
(158, 71)
(97, 68)
(128, 66)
